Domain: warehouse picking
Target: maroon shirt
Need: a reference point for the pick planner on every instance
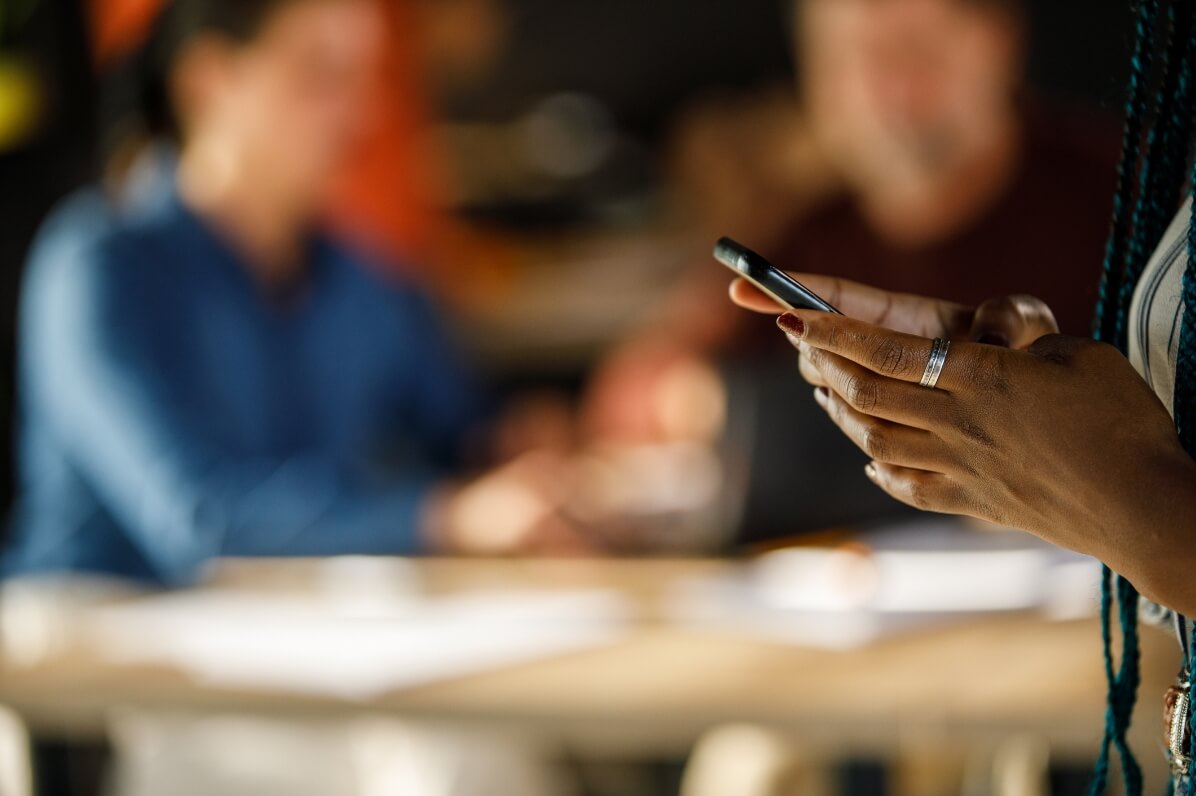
(1044, 236)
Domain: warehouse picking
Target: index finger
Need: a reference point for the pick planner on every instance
(902, 311)
(895, 355)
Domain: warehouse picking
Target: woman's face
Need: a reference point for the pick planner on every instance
(287, 107)
(912, 76)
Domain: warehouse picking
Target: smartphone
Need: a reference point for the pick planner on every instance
(778, 285)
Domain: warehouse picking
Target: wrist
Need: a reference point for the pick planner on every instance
(1153, 544)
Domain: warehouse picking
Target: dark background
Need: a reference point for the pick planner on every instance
(644, 59)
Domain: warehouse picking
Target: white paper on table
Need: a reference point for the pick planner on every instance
(247, 640)
(918, 574)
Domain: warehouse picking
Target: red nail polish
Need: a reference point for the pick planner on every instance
(792, 325)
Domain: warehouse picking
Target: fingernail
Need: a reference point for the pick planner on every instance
(821, 396)
(792, 325)
(993, 338)
(870, 471)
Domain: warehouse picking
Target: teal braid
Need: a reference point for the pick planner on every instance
(1145, 168)
(1166, 150)
(1127, 185)
(1100, 772)
(1123, 684)
(1128, 680)
(1168, 145)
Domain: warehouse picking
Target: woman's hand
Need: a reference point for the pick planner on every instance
(1063, 439)
(1012, 321)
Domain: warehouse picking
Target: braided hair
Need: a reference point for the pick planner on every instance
(1151, 178)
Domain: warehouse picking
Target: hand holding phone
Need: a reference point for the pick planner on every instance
(772, 281)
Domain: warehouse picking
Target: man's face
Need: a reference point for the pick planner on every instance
(909, 77)
(290, 105)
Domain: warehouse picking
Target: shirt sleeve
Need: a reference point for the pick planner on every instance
(109, 384)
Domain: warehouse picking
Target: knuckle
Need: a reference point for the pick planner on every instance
(997, 311)
(875, 442)
(1097, 351)
(969, 469)
(972, 501)
(1057, 348)
(834, 408)
(990, 513)
(928, 492)
(890, 358)
(974, 431)
(812, 376)
(1006, 305)
(813, 357)
(988, 371)
(835, 336)
(862, 393)
(919, 494)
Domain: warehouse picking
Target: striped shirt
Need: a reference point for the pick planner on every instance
(1156, 314)
(1155, 321)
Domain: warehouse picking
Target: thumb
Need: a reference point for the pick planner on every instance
(1013, 321)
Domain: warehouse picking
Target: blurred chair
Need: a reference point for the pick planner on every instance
(1022, 765)
(747, 760)
(184, 754)
(16, 771)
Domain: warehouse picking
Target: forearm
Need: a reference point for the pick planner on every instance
(1152, 538)
(184, 503)
(345, 522)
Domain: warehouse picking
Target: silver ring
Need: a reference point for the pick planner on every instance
(934, 367)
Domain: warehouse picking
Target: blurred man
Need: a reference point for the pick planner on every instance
(206, 372)
(913, 160)
(954, 180)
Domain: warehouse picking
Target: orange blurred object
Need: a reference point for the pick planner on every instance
(391, 194)
(394, 194)
(119, 27)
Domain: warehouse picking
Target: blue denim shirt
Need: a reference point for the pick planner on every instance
(173, 412)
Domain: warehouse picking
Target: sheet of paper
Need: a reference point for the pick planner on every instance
(918, 574)
(235, 639)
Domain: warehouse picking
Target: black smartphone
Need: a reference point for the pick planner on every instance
(778, 285)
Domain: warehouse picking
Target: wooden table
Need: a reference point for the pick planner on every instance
(662, 686)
